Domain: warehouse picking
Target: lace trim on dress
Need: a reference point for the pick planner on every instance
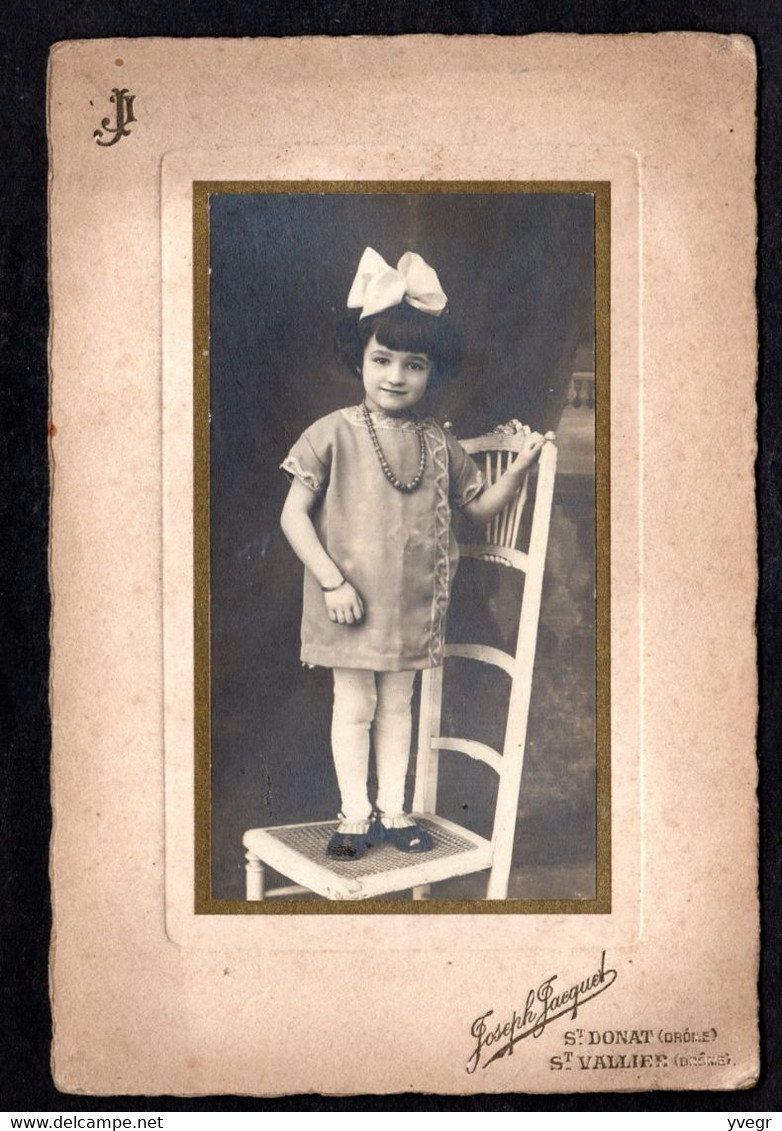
(442, 537)
(472, 492)
(355, 415)
(292, 466)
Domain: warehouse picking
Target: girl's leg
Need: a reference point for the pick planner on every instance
(355, 699)
(392, 734)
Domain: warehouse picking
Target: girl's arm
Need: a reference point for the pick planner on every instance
(494, 498)
(342, 601)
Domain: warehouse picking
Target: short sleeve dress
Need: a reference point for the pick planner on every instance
(396, 548)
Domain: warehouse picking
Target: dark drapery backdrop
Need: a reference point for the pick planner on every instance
(518, 269)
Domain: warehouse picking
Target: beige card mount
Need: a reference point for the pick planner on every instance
(206, 197)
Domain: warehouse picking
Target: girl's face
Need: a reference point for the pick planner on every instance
(394, 381)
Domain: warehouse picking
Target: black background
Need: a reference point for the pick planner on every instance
(28, 31)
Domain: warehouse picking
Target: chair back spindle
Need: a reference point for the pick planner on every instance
(495, 453)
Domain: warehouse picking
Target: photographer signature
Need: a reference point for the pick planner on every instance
(543, 1005)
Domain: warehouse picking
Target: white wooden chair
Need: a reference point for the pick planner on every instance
(299, 851)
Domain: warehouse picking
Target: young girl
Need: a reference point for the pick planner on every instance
(369, 515)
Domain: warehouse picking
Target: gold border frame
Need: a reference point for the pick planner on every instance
(204, 903)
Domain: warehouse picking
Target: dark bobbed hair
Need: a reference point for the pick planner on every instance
(404, 328)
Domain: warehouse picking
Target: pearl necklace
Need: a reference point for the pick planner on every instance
(392, 479)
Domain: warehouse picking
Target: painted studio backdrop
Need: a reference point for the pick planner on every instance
(519, 272)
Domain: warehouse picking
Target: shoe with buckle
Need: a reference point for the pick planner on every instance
(411, 838)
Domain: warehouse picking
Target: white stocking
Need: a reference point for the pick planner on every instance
(392, 731)
(355, 699)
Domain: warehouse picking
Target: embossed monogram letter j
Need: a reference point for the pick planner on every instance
(123, 102)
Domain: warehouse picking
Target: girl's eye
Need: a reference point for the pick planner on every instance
(380, 360)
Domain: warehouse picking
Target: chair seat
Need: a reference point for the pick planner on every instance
(299, 852)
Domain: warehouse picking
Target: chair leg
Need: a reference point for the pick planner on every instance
(423, 891)
(256, 880)
(497, 886)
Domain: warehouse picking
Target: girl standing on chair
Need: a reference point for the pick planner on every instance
(369, 514)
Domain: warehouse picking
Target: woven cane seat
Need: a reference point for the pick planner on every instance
(300, 851)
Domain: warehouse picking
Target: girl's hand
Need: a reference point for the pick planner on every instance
(531, 449)
(344, 605)
(491, 501)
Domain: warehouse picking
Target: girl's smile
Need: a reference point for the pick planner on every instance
(394, 380)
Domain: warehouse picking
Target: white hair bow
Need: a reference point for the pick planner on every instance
(378, 287)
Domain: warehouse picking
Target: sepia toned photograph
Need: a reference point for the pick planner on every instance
(374, 711)
(398, 538)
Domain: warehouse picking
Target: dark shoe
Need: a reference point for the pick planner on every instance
(410, 839)
(347, 846)
(378, 834)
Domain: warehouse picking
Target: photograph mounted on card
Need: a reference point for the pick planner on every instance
(500, 620)
(403, 655)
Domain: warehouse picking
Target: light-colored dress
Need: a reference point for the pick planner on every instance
(397, 549)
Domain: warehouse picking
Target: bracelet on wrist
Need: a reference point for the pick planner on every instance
(333, 588)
